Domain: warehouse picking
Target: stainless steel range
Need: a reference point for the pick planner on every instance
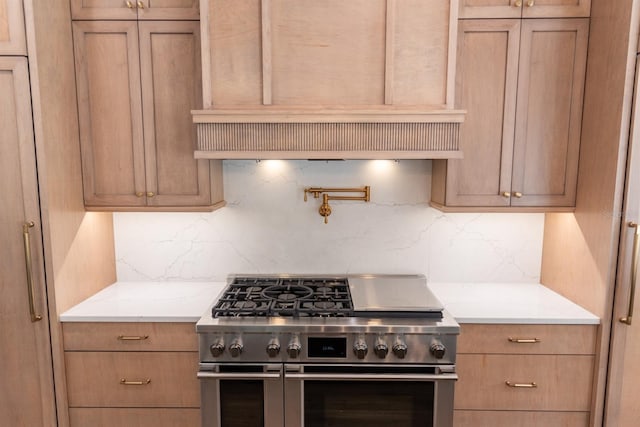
(327, 351)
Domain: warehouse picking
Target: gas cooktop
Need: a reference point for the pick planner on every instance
(285, 296)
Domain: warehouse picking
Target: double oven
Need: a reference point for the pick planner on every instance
(354, 362)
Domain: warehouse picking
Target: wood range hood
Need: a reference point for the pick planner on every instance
(308, 79)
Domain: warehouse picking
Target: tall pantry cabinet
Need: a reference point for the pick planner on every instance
(26, 389)
(43, 225)
(589, 256)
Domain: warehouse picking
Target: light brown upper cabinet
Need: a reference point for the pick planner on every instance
(328, 53)
(521, 82)
(525, 8)
(12, 39)
(137, 83)
(135, 9)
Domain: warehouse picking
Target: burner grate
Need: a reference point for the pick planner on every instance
(286, 297)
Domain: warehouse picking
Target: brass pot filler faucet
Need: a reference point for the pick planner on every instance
(325, 209)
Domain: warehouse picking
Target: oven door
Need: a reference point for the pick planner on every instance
(241, 395)
(368, 395)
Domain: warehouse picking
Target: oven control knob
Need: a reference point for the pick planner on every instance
(437, 349)
(360, 348)
(273, 348)
(381, 350)
(236, 348)
(294, 348)
(400, 349)
(217, 348)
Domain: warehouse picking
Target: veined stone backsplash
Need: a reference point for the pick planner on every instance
(266, 227)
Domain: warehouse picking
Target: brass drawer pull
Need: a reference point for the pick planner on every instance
(124, 381)
(518, 3)
(132, 338)
(524, 340)
(521, 385)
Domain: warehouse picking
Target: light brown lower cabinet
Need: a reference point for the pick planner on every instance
(138, 417)
(524, 375)
(519, 418)
(132, 374)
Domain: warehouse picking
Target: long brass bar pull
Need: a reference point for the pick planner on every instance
(133, 338)
(521, 385)
(29, 263)
(124, 381)
(524, 340)
(634, 272)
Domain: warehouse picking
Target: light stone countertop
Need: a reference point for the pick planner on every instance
(147, 302)
(525, 303)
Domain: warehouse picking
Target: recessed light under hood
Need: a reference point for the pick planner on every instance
(308, 133)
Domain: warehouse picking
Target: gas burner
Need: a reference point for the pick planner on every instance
(288, 292)
(324, 305)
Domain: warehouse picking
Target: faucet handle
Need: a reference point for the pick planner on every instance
(325, 209)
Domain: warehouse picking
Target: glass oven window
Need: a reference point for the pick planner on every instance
(370, 403)
(241, 403)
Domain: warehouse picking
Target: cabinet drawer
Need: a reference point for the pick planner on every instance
(133, 336)
(563, 383)
(533, 339)
(139, 417)
(519, 418)
(168, 379)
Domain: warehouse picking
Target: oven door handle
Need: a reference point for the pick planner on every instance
(239, 375)
(373, 377)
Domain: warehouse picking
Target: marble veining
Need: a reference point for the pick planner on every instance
(266, 227)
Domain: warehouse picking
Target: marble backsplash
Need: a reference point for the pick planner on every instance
(266, 227)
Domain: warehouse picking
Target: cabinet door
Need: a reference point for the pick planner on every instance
(556, 8)
(169, 9)
(549, 111)
(26, 388)
(171, 88)
(486, 81)
(135, 9)
(490, 8)
(104, 9)
(110, 112)
(12, 40)
(524, 8)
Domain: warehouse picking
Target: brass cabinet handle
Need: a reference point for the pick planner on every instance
(140, 4)
(124, 381)
(133, 337)
(517, 194)
(139, 194)
(150, 194)
(634, 272)
(29, 263)
(530, 3)
(129, 4)
(506, 194)
(518, 3)
(521, 385)
(524, 340)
